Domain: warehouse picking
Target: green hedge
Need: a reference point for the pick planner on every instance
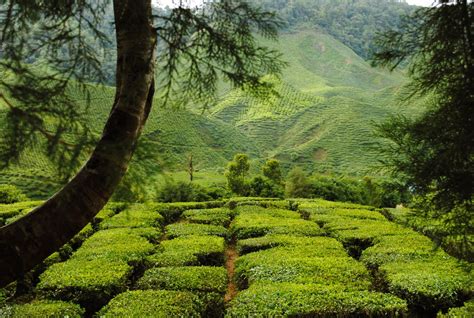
(121, 244)
(43, 309)
(247, 225)
(349, 230)
(280, 204)
(399, 248)
(138, 215)
(218, 216)
(190, 250)
(430, 285)
(12, 212)
(320, 203)
(325, 244)
(282, 265)
(172, 211)
(308, 300)
(154, 303)
(278, 213)
(185, 229)
(11, 194)
(460, 312)
(192, 278)
(90, 282)
(100, 268)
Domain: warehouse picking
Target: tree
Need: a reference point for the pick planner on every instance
(297, 184)
(434, 152)
(195, 47)
(271, 169)
(237, 170)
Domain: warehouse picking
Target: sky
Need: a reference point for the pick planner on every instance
(425, 3)
(170, 3)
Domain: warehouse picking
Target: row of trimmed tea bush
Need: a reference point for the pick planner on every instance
(406, 263)
(187, 278)
(287, 270)
(254, 221)
(103, 266)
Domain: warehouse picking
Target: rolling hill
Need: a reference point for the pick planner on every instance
(322, 119)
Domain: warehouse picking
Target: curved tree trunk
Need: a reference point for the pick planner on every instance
(28, 241)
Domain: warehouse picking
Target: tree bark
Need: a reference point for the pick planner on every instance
(28, 241)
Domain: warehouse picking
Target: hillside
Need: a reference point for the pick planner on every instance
(322, 119)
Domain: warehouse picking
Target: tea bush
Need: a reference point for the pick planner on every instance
(154, 303)
(460, 312)
(192, 278)
(309, 300)
(43, 308)
(217, 216)
(184, 229)
(303, 270)
(189, 250)
(325, 244)
(85, 281)
(428, 285)
(247, 225)
(11, 194)
(135, 216)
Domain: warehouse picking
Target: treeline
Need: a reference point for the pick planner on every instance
(271, 182)
(353, 22)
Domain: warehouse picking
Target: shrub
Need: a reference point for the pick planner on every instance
(43, 309)
(288, 267)
(350, 230)
(172, 211)
(10, 210)
(325, 244)
(11, 194)
(428, 285)
(185, 229)
(154, 303)
(308, 300)
(92, 282)
(190, 250)
(297, 184)
(119, 244)
(181, 191)
(252, 225)
(465, 311)
(399, 248)
(135, 216)
(264, 187)
(192, 278)
(218, 216)
(257, 209)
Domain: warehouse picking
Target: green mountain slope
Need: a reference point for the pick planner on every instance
(322, 119)
(329, 99)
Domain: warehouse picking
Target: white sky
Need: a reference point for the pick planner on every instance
(170, 3)
(425, 3)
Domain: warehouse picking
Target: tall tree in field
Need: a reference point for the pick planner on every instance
(435, 152)
(237, 170)
(194, 47)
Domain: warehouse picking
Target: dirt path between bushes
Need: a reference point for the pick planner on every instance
(230, 257)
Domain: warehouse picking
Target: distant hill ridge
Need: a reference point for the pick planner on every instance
(322, 120)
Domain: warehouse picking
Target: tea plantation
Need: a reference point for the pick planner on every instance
(247, 257)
